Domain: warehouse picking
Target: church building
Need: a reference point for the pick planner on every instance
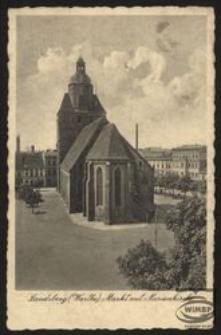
(99, 173)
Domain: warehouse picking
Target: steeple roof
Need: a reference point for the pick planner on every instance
(80, 61)
(95, 106)
(80, 76)
(110, 145)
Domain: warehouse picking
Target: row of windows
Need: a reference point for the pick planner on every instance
(179, 165)
(33, 173)
(37, 173)
(173, 172)
(51, 162)
(183, 156)
(30, 182)
(175, 165)
(193, 175)
(193, 165)
(167, 166)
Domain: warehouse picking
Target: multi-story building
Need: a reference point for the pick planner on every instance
(184, 160)
(30, 168)
(160, 159)
(50, 164)
(190, 160)
(35, 167)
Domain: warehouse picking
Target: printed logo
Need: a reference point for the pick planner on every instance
(195, 310)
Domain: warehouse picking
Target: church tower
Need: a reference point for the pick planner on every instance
(80, 106)
(80, 88)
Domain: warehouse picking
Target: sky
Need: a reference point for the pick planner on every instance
(149, 70)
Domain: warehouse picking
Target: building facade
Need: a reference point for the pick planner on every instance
(190, 160)
(50, 165)
(35, 168)
(29, 168)
(159, 159)
(184, 160)
(100, 174)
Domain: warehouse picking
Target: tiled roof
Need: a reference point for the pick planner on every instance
(100, 140)
(50, 153)
(83, 143)
(190, 147)
(29, 160)
(156, 154)
(158, 158)
(95, 105)
(109, 145)
(66, 104)
(134, 153)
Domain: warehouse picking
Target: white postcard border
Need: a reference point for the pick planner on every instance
(143, 314)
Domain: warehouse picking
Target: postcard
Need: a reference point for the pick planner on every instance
(111, 173)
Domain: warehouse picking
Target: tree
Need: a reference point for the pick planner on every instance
(166, 182)
(185, 265)
(161, 181)
(39, 183)
(195, 186)
(202, 187)
(24, 190)
(185, 184)
(199, 186)
(33, 198)
(172, 181)
(144, 267)
(187, 260)
(155, 181)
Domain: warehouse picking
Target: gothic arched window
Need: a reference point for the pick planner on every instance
(117, 187)
(99, 187)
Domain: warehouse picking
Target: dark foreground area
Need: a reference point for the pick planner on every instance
(52, 253)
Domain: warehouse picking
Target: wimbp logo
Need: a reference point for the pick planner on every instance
(195, 310)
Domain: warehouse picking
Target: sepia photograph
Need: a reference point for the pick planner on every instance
(112, 151)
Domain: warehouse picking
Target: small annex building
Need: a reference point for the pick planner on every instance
(101, 174)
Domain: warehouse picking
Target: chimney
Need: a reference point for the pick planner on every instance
(18, 144)
(32, 148)
(136, 136)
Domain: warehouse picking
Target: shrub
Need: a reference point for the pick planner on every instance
(144, 267)
(185, 267)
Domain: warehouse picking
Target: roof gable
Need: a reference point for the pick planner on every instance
(83, 143)
(135, 153)
(109, 145)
